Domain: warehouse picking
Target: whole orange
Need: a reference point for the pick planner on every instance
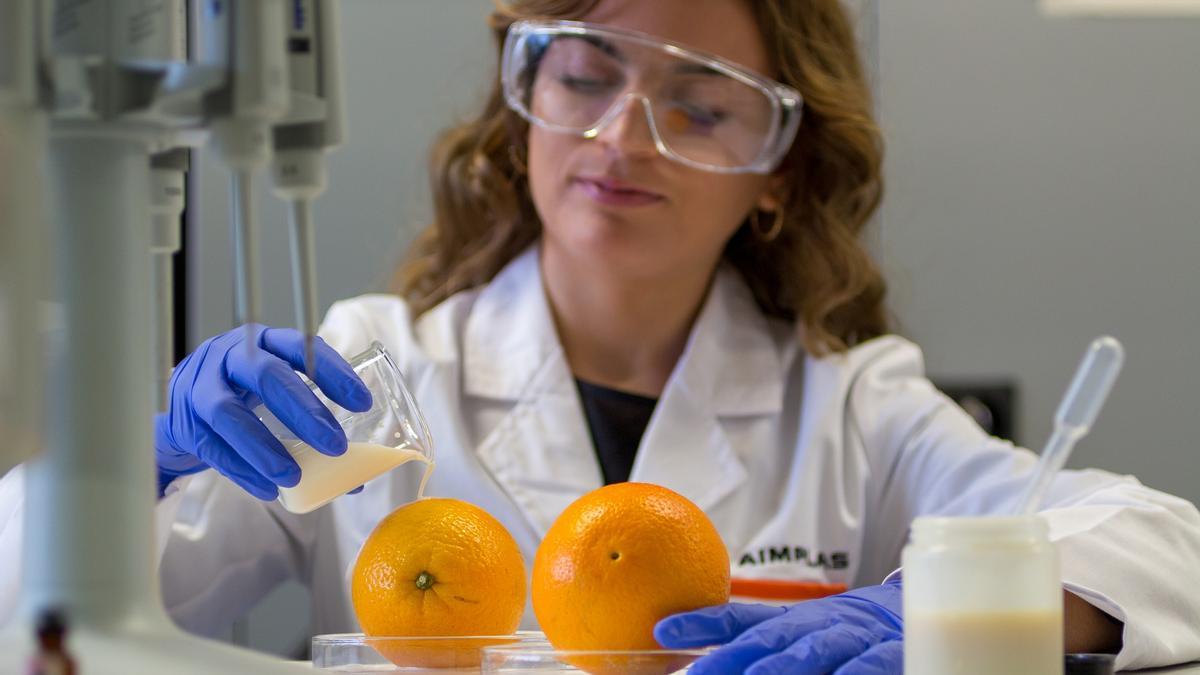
(621, 558)
(439, 567)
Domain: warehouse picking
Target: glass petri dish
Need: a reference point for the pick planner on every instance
(355, 653)
(541, 657)
(528, 636)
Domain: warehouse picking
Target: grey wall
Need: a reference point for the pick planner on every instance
(1045, 189)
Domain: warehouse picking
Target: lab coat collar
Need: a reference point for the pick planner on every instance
(510, 333)
(541, 452)
(732, 365)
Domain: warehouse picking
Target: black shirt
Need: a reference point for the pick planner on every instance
(617, 420)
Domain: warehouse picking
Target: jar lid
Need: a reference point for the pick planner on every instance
(1089, 664)
(986, 530)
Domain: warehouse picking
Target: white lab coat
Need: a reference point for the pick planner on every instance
(810, 468)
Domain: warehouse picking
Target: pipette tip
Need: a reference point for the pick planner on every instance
(310, 357)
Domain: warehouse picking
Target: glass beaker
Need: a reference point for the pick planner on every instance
(391, 433)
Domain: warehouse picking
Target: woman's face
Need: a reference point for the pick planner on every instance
(679, 218)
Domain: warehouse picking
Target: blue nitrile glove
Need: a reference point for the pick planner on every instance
(855, 633)
(214, 390)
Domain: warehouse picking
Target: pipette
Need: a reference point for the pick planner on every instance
(247, 40)
(1076, 413)
(312, 127)
(107, 100)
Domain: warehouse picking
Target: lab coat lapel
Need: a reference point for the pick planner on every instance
(541, 451)
(731, 367)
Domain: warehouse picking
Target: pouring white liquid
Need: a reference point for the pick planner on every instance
(324, 478)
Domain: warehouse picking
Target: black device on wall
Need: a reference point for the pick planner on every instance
(992, 403)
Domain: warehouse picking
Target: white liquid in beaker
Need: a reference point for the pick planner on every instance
(324, 478)
(984, 643)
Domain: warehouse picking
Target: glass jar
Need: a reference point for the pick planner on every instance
(982, 595)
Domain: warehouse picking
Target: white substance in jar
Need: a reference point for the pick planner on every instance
(982, 596)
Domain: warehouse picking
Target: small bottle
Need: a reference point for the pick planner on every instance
(52, 657)
(982, 596)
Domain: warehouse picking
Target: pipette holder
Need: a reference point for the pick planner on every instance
(90, 494)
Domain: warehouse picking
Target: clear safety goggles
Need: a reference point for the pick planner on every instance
(703, 111)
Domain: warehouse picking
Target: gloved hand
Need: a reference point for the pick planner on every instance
(855, 633)
(214, 390)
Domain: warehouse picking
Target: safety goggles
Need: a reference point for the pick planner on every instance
(708, 113)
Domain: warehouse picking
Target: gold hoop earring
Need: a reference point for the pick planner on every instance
(518, 164)
(771, 234)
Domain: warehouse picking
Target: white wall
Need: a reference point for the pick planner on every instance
(1044, 188)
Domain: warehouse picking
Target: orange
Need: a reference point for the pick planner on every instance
(439, 567)
(621, 558)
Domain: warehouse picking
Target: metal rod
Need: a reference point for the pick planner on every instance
(245, 237)
(304, 277)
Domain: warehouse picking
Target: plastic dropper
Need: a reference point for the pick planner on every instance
(1076, 413)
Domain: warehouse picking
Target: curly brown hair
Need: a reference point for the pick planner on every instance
(815, 273)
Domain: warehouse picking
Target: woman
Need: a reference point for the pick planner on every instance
(645, 265)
